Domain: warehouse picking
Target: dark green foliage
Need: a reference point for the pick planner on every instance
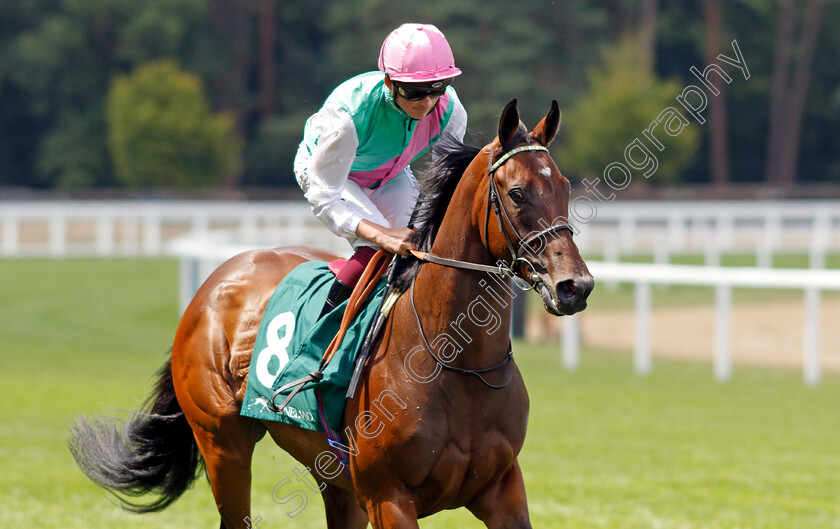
(270, 154)
(534, 51)
(162, 132)
(57, 59)
(624, 97)
(61, 56)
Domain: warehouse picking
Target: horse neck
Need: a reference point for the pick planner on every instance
(472, 307)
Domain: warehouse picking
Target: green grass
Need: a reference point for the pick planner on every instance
(605, 448)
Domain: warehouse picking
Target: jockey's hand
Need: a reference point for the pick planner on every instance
(394, 240)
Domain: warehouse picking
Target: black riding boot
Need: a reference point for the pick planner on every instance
(339, 292)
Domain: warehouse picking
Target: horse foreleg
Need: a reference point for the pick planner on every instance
(503, 505)
(342, 509)
(227, 456)
(392, 514)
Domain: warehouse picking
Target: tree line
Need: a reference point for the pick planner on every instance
(108, 93)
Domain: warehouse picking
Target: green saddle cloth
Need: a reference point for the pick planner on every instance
(291, 342)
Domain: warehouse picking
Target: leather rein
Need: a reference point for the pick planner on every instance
(503, 269)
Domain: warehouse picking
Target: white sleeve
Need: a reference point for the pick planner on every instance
(457, 125)
(328, 168)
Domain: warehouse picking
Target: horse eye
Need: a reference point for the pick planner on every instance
(517, 196)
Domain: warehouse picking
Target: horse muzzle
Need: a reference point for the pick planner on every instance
(568, 296)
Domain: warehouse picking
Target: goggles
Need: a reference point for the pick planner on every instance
(416, 92)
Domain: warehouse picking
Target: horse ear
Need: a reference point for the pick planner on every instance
(545, 131)
(509, 122)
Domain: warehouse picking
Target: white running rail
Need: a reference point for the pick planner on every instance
(723, 279)
(713, 227)
(143, 227)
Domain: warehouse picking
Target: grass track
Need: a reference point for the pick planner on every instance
(605, 449)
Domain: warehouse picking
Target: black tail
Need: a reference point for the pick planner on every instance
(154, 452)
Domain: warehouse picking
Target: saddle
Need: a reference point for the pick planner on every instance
(302, 370)
(365, 286)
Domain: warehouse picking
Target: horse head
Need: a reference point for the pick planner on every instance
(532, 208)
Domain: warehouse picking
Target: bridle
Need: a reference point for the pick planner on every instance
(499, 209)
(504, 269)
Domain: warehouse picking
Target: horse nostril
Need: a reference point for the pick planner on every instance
(567, 289)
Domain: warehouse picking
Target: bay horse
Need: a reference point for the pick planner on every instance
(424, 434)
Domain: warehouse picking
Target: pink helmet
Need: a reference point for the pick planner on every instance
(417, 53)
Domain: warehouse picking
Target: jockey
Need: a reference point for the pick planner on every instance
(353, 162)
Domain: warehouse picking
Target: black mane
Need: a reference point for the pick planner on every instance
(437, 184)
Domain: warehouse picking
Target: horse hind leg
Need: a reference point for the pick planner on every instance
(230, 478)
(227, 456)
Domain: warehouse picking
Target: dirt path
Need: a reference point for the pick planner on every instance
(762, 334)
